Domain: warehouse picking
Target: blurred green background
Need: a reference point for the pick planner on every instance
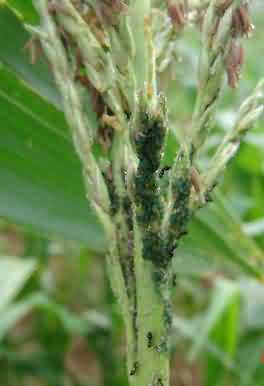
(59, 325)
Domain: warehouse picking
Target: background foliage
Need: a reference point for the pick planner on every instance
(58, 321)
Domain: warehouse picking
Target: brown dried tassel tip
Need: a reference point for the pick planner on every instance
(241, 23)
(176, 13)
(234, 62)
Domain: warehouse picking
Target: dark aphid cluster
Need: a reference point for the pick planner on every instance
(164, 180)
(149, 140)
(127, 210)
(163, 172)
(149, 144)
(134, 369)
(114, 199)
(147, 197)
(159, 382)
(150, 339)
(181, 212)
(154, 249)
(168, 318)
(174, 280)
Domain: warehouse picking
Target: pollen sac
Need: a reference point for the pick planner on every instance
(234, 62)
(176, 13)
(241, 23)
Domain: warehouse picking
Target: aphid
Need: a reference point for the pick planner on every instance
(150, 339)
(159, 382)
(134, 370)
(174, 280)
(234, 62)
(164, 170)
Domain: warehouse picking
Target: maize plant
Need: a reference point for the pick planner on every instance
(110, 55)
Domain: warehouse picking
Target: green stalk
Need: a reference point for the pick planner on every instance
(139, 12)
(151, 362)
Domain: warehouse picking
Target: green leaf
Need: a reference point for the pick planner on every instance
(41, 182)
(254, 228)
(71, 323)
(14, 55)
(40, 173)
(25, 9)
(225, 293)
(13, 275)
(11, 315)
(189, 329)
(250, 366)
(225, 337)
(253, 297)
(217, 243)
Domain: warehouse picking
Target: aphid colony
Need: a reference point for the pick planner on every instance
(149, 143)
